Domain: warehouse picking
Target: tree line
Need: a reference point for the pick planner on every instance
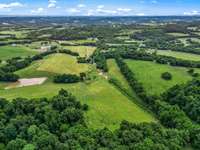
(58, 123)
(171, 116)
(187, 98)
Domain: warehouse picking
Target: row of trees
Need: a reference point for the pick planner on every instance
(58, 123)
(17, 63)
(142, 55)
(170, 116)
(100, 60)
(67, 78)
(66, 51)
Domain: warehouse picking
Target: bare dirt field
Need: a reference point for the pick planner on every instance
(27, 82)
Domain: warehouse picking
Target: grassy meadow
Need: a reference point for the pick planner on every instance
(107, 105)
(84, 51)
(114, 72)
(149, 74)
(7, 52)
(181, 55)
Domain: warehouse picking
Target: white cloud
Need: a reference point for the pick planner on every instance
(38, 11)
(194, 12)
(140, 14)
(52, 4)
(124, 10)
(81, 6)
(10, 5)
(100, 6)
(73, 10)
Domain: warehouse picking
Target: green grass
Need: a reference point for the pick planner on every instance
(149, 74)
(181, 55)
(18, 34)
(7, 52)
(178, 34)
(62, 63)
(84, 51)
(114, 72)
(107, 105)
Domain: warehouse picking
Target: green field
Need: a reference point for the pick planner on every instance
(84, 51)
(7, 52)
(114, 72)
(18, 34)
(149, 74)
(181, 55)
(178, 34)
(61, 63)
(79, 41)
(107, 106)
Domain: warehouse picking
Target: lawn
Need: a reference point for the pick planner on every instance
(149, 74)
(84, 51)
(181, 55)
(7, 52)
(107, 105)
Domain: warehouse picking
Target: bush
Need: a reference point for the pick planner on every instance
(166, 76)
(66, 78)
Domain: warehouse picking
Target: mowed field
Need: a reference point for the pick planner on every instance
(114, 72)
(84, 51)
(149, 74)
(61, 63)
(7, 52)
(107, 105)
(181, 55)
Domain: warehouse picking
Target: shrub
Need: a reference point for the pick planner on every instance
(166, 76)
(66, 78)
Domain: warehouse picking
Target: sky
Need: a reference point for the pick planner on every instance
(99, 7)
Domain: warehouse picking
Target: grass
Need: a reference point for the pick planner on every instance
(149, 74)
(7, 52)
(107, 105)
(18, 34)
(84, 51)
(181, 55)
(114, 72)
(62, 63)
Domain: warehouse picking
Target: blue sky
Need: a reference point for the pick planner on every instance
(100, 7)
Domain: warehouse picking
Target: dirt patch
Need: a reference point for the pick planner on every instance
(27, 82)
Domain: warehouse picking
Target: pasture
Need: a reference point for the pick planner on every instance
(84, 51)
(181, 55)
(7, 52)
(149, 74)
(107, 105)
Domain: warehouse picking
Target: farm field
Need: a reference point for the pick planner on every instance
(114, 72)
(149, 74)
(18, 34)
(178, 34)
(7, 52)
(61, 63)
(82, 50)
(181, 55)
(102, 97)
